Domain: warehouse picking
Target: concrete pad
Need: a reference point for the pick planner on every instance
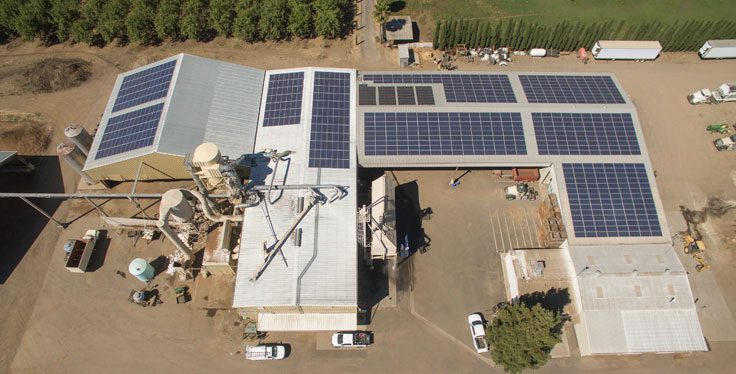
(561, 349)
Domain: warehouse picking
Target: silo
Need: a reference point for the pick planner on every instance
(141, 269)
(178, 205)
(75, 159)
(80, 137)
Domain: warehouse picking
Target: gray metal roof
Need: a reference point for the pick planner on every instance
(634, 299)
(208, 101)
(532, 158)
(323, 270)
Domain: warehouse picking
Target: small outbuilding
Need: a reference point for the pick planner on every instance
(399, 29)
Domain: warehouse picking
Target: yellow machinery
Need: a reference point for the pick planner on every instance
(692, 246)
(702, 265)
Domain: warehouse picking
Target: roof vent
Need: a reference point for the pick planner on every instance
(635, 273)
(667, 271)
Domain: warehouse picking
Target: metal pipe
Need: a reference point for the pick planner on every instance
(34, 206)
(163, 225)
(297, 187)
(208, 212)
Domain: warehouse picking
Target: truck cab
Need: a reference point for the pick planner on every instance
(725, 92)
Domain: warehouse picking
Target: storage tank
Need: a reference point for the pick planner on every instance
(206, 154)
(178, 205)
(80, 137)
(141, 269)
(71, 154)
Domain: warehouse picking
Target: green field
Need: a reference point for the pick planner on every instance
(426, 12)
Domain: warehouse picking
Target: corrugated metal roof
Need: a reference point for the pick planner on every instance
(622, 289)
(306, 322)
(208, 100)
(322, 271)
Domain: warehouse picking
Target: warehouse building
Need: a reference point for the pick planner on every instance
(580, 131)
(158, 113)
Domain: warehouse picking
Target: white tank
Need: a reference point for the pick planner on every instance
(80, 137)
(71, 154)
(181, 210)
(206, 154)
(142, 270)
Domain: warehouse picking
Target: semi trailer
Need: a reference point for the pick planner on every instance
(626, 49)
(713, 49)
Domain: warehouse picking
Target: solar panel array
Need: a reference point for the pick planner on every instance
(130, 131)
(366, 95)
(571, 89)
(459, 88)
(284, 99)
(329, 144)
(144, 86)
(443, 134)
(611, 200)
(585, 134)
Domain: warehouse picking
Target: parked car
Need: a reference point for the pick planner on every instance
(352, 339)
(265, 352)
(478, 332)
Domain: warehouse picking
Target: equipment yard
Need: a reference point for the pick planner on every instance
(53, 320)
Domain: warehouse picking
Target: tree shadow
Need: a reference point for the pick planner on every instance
(555, 299)
(397, 6)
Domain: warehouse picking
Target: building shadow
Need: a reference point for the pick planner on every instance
(409, 217)
(372, 287)
(21, 228)
(100, 253)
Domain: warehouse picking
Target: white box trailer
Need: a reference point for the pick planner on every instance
(725, 48)
(626, 49)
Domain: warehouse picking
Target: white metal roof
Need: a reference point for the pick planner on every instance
(306, 321)
(624, 44)
(207, 101)
(722, 43)
(633, 299)
(323, 270)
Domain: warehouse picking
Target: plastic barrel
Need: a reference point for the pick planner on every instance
(141, 269)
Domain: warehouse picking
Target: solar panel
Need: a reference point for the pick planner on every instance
(144, 86)
(611, 200)
(366, 95)
(284, 99)
(386, 95)
(459, 88)
(585, 134)
(329, 144)
(571, 89)
(130, 131)
(405, 95)
(425, 96)
(443, 134)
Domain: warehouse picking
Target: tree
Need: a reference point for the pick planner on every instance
(140, 22)
(111, 23)
(222, 15)
(84, 29)
(522, 337)
(166, 21)
(328, 18)
(300, 18)
(246, 20)
(273, 19)
(194, 20)
(63, 14)
(381, 12)
(33, 20)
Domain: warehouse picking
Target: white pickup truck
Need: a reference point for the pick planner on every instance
(355, 339)
(478, 332)
(265, 352)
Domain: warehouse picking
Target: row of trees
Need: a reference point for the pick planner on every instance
(569, 36)
(150, 21)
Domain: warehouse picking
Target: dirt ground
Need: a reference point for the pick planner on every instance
(95, 330)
